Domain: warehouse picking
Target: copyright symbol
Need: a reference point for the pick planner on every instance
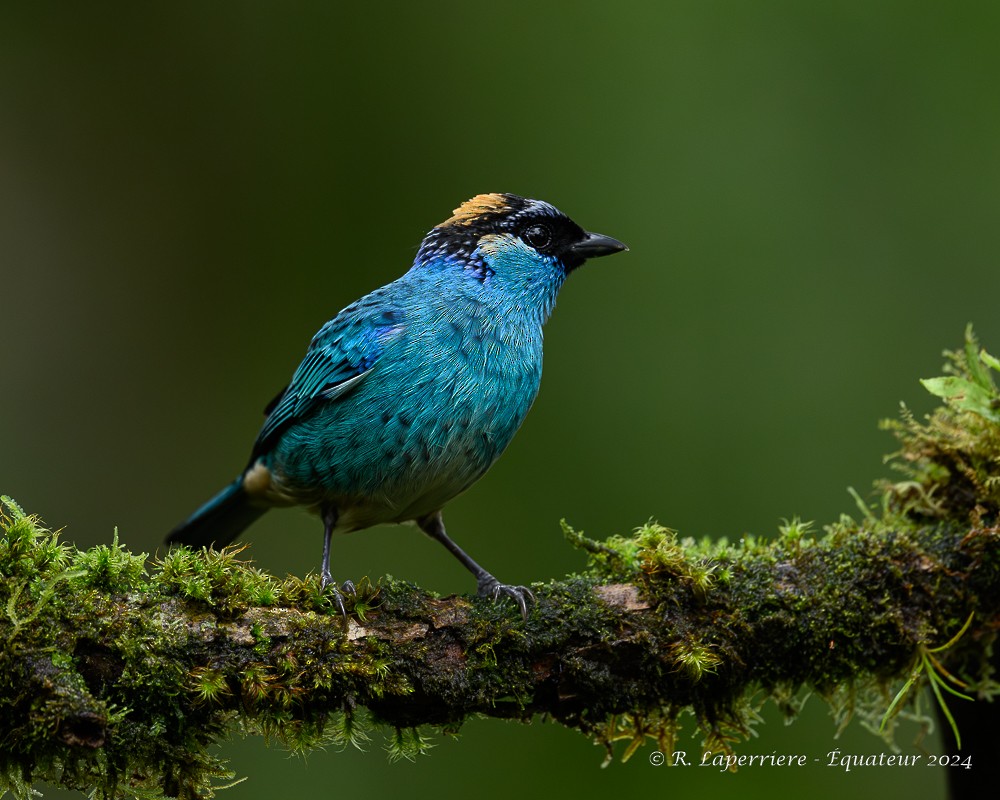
(656, 758)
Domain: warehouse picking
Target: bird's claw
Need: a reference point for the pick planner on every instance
(327, 585)
(492, 588)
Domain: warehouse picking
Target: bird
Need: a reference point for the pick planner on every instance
(407, 397)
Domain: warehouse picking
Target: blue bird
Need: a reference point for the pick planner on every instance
(409, 395)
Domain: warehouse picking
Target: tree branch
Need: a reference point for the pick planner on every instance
(118, 676)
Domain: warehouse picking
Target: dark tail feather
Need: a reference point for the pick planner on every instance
(219, 521)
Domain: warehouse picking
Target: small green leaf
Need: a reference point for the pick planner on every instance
(990, 361)
(976, 370)
(935, 682)
(956, 637)
(963, 394)
(899, 696)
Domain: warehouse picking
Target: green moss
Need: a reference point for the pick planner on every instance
(656, 627)
(78, 610)
(110, 568)
(952, 465)
(951, 462)
(694, 658)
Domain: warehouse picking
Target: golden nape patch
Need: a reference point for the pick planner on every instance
(476, 207)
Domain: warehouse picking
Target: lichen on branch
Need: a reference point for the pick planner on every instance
(117, 674)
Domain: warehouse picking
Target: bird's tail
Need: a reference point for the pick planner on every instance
(219, 521)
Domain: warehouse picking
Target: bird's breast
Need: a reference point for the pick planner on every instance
(438, 409)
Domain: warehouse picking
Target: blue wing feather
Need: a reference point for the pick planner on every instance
(340, 356)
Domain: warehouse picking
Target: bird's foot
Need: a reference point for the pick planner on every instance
(327, 584)
(492, 588)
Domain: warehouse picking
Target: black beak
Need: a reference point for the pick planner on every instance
(593, 245)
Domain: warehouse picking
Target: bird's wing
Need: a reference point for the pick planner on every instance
(341, 355)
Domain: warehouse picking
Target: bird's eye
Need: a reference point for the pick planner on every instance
(538, 236)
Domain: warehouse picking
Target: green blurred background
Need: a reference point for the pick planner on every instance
(187, 191)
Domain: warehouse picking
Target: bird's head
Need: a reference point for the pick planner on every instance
(525, 246)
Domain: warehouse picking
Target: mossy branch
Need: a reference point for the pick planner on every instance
(117, 676)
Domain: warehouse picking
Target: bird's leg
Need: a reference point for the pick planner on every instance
(326, 579)
(329, 523)
(433, 526)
